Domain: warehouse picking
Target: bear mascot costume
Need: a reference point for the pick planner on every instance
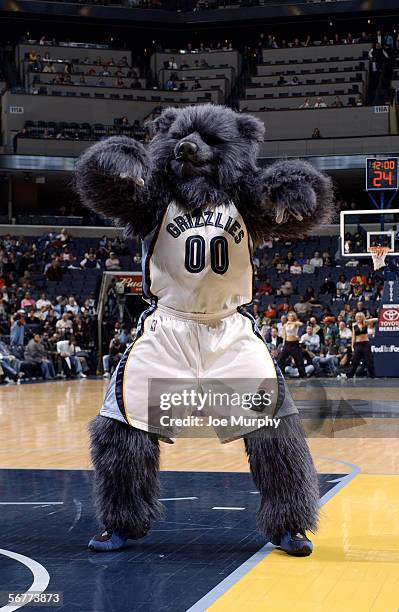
(196, 198)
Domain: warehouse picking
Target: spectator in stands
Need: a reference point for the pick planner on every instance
(325, 41)
(171, 64)
(337, 102)
(68, 351)
(43, 301)
(360, 307)
(320, 103)
(377, 57)
(274, 341)
(316, 133)
(90, 261)
(112, 263)
(54, 271)
(196, 85)
(135, 84)
(17, 332)
(116, 350)
(22, 133)
(308, 42)
(10, 365)
(311, 340)
(364, 38)
(28, 302)
(302, 308)
(327, 259)
(35, 353)
(358, 279)
(330, 329)
(328, 287)
(64, 325)
(296, 268)
(120, 82)
(170, 85)
(327, 361)
(282, 80)
(316, 260)
(343, 287)
(345, 334)
(306, 104)
(72, 306)
(286, 288)
(49, 68)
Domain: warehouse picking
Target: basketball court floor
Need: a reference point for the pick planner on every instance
(206, 553)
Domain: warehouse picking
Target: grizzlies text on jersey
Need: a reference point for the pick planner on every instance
(199, 262)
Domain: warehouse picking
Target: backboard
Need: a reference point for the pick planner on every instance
(361, 229)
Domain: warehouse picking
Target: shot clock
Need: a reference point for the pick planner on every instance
(382, 174)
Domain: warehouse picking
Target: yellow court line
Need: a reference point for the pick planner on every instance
(355, 565)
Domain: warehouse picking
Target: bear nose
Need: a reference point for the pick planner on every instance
(186, 150)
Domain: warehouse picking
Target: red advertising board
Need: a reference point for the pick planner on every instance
(388, 320)
(132, 283)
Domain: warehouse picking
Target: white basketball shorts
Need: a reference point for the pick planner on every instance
(173, 352)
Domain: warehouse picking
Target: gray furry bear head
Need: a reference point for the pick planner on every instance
(224, 151)
(202, 155)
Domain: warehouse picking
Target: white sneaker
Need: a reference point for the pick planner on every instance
(343, 375)
(81, 375)
(106, 375)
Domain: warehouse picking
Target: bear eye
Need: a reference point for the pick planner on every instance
(211, 139)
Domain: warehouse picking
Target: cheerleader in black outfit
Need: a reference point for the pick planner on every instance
(291, 346)
(361, 345)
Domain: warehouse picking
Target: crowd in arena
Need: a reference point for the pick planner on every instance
(323, 314)
(44, 335)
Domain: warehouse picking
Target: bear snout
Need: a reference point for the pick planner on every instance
(186, 150)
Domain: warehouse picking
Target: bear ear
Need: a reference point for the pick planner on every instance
(251, 128)
(165, 120)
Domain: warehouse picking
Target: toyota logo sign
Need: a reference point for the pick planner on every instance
(391, 315)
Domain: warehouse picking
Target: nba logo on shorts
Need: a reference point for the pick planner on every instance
(153, 325)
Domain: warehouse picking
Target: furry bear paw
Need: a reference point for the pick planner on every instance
(294, 200)
(117, 157)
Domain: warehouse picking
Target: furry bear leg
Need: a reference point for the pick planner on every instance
(126, 476)
(284, 474)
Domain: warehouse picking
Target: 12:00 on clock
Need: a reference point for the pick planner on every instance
(382, 174)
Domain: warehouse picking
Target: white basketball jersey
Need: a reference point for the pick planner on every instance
(199, 262)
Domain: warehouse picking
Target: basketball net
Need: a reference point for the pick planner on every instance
(378, 253)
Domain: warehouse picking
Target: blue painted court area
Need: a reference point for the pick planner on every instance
(208, 531)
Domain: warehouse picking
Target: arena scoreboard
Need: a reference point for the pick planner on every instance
(382, 174)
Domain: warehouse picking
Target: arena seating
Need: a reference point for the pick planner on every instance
(326, 77)
(332, 122)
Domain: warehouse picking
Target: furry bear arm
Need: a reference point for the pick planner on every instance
(291, 198)
(112, 178)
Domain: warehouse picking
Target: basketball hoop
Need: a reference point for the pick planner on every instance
(378, 253)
